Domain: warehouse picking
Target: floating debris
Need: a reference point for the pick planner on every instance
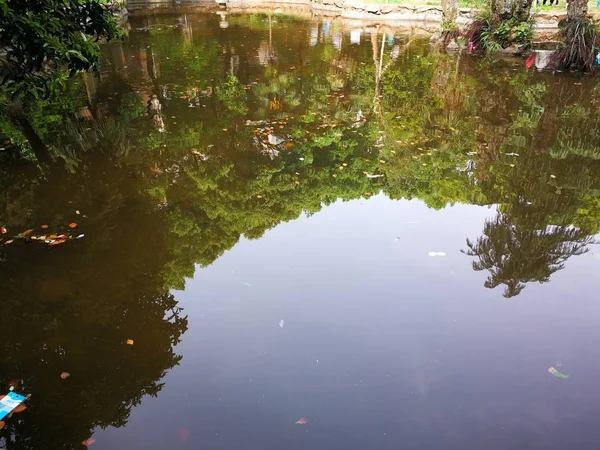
(10, 402)
(302, 421)
(281, 323)
(557, 374)
(436, 254)
(129, 341)
(65, 375)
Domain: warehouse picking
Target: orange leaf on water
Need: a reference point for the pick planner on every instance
(20, 408)
(129, 341)
(26, 233)
(44, 226)
(89, 441)
(72, 225)
(302, 421)
(2, 424)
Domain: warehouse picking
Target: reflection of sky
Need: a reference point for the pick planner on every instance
(382, 347)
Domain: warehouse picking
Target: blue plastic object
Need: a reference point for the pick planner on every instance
(9, 403)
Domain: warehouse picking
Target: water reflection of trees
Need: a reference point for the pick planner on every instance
(445, 130)
(72, 309)
(515, 255)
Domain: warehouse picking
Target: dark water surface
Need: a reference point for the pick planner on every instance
(265, 239)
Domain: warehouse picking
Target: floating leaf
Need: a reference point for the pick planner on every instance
(26, 233)
(57, 242)
(2, 423)
(72, 225)
(129, 341)
(3, 230)
(77, 212)
(302, 421)
(19, 409)
(89, 441)
(10, 241)
(65, 375)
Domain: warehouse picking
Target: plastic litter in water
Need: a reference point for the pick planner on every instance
(557, 374)
(10, 402)
(281, 323)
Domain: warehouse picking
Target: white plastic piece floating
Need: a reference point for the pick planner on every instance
(436, 254)
(274, 140)
(281, 323)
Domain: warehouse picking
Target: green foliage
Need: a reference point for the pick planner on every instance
(233, 95)
(491, 33)
(44, 40)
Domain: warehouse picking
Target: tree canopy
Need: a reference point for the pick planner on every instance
(42, 41)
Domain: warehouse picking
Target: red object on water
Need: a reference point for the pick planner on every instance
(184, 435)
(530, 61)
(3, 230)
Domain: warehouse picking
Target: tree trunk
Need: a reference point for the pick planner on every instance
(19, 118)
(503, 10)
(577, 9)
(449, 14)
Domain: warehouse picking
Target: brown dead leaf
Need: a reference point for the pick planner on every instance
(52, 236)
(20, 409)
(26, 233)
(89, 441)
(2, 423)
(129, 341)
(72, 225)
(302, 421)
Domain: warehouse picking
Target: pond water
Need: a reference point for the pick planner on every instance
(309, 223)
